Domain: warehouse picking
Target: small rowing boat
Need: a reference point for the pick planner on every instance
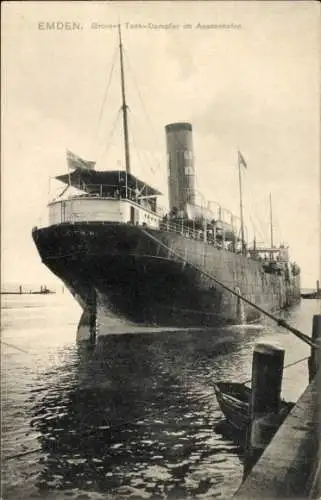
(234, 400)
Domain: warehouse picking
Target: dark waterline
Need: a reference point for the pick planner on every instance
(134, 418)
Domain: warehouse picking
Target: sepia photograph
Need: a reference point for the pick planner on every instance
(160, 250)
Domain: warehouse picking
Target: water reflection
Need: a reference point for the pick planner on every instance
(136, 416)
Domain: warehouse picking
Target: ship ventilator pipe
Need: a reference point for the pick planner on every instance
(305, 338)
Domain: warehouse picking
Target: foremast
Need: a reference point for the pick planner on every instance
(271, 223)
(124, 104)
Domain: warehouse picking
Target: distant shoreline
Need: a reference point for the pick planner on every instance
(46, 292)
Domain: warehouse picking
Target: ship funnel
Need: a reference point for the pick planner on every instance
(181, 175)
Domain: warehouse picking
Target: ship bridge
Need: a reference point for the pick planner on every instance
(113, 196)
(276, 254)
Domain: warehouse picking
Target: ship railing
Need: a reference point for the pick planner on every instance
(195, 234)
(110, 192)
(116, 192)
(106, 191)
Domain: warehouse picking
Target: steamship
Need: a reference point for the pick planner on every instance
(120, 255)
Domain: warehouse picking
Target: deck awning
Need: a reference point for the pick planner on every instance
(100, 182)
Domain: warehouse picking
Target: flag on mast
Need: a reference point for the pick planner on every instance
(241, 160)
(75, 162)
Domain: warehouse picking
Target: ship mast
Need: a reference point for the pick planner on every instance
(241, 204)
(271, 222)
(124, 105)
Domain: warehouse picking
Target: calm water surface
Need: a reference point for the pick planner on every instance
(134, 418)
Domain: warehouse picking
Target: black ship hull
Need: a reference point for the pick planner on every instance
(116, 269)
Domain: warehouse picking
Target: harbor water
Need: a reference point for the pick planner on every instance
(135, 417)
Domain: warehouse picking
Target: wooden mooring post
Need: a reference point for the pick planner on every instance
(314, 361)
(267, 374)
(291, 462)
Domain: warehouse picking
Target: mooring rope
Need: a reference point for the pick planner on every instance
(13, 346)
(302, 336)
(296, 362)
(284, 368)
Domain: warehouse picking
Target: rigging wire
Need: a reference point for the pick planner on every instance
(96, 131)
(150, 123)
(134, 141)
(277, 229)
(111, 134)
(135, 144)
(257, 230)
(157, 143)
(260, 226)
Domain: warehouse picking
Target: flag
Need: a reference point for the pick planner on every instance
(241, 160)
(75, 161)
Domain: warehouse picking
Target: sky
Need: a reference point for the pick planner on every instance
(245, 74)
